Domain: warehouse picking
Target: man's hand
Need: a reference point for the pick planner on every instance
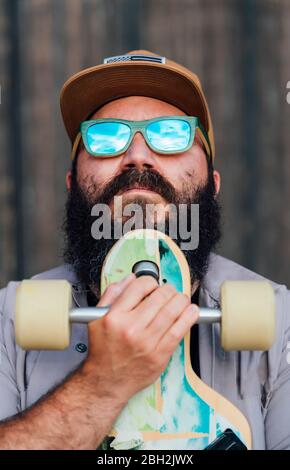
(130, 346)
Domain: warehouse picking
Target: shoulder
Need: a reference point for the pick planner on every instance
(221, 269)
(8, 293)
(64, 271)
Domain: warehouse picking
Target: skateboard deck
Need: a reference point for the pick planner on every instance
(178, 411)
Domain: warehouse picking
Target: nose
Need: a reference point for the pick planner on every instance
(138, 156)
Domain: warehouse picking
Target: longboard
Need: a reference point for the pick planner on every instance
(178, 411)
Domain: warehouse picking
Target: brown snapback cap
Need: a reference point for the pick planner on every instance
(140, 73)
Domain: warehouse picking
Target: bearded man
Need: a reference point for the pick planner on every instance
(141, 131)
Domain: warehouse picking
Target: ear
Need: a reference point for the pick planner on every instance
(217, 181)
(68, 180)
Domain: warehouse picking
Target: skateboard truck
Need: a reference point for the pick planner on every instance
(141, 268)
(43, 312)
(146, 268)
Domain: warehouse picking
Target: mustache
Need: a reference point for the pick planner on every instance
(131, 178)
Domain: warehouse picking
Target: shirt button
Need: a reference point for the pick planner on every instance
(81, 348)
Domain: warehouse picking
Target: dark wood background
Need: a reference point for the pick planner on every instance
(240, 49)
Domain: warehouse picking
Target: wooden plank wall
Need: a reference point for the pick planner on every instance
(239, 48)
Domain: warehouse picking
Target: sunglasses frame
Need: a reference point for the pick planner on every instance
(141, 126)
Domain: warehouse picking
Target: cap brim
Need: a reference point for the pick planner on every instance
(90, 89)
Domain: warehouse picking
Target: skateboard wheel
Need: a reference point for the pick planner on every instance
(248, 315)
(42, 314)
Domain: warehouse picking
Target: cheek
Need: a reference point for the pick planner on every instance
(199, 166)
(191, 166)
(96, 169)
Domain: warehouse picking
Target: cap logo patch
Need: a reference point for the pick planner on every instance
(134, 58)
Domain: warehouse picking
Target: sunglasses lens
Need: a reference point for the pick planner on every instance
(170, 135)
(107, 138)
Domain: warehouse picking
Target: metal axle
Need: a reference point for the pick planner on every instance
(141, 268)
(85, 315)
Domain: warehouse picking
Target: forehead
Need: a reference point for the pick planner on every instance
(137, 108)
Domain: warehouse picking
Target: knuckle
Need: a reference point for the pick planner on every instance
(173, 336)
(166, 291)
(154, 362)
(110, 322)
(144, 349)
(183, 299)
(169, 312)
(149, 282)
(112, 289)
(146, 283)
(169, 289)
(130, 337)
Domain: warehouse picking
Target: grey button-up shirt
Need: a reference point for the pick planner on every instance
(258, 383)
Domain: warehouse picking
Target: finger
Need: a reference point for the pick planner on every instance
(135, 293)
(167, 316)
(177, 331)
(162, 303)
(114, 290)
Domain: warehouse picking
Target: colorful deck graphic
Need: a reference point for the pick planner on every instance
(179, 411)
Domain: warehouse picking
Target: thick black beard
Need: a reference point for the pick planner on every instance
(86, 254)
